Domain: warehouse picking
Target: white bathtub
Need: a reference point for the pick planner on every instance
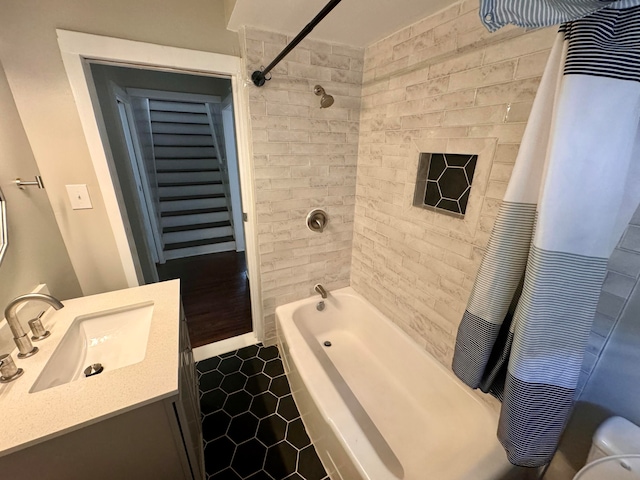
(378, 407)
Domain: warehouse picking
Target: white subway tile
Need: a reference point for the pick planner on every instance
(487, 75)
(511, 92)
(535, 41)
(532, 65)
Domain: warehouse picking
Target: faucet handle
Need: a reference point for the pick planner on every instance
(317, 220)
(8, 370)
(37, 328)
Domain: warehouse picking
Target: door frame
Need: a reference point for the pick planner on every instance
(136, 159)
(232, 166)
(77, 48)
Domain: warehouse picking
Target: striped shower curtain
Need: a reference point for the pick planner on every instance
(575, 185)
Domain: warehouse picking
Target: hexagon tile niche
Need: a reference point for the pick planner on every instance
(444, 182)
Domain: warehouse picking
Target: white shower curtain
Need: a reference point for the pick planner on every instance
(574, 188)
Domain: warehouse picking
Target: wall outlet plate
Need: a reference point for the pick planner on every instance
(79, 197)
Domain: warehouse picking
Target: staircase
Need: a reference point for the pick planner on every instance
(194, 212)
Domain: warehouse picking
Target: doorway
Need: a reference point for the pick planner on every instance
(77, 51)
(173, 146)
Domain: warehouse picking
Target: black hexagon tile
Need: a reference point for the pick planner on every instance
(281, 460)
(218, 454)
(212, 401)
(247, 352)
(215, 425)
(242, 428)
(444, 182)
(251, 426)
(272, 430)
(229, 365)
(257, 384)
(237, 403)
(297, 435)
(210, 380)
(264, 404)
(249, 458)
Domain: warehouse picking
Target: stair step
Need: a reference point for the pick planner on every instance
(198, 226)
(177, 140)
(196, 219)
(189, 177)
(191, 197)
(183, 235)
(198, 243)
(177, 106)
(180, 128)
(189, 184)
(187, 170)
(178, 205)
(195, 211)
(208, 189)
(184, 152)
(202, 164)
(178, 117)
(199, 250)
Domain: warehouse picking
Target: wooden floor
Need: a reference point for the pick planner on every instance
(215, 295)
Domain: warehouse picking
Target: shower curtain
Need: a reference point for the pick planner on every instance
(574, 188)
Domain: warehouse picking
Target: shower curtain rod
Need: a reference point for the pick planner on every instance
(259, 76)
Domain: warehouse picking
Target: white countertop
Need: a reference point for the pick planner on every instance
(30, 418)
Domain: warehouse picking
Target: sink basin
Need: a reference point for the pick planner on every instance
(114, 338)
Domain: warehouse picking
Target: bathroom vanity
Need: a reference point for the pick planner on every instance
(139, 418)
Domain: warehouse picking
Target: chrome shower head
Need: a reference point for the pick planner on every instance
(326, 100)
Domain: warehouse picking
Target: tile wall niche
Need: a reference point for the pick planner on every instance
(443, 84)
(304, 157)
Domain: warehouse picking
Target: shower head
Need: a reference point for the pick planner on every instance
(326, 100)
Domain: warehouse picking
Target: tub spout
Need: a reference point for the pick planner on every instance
(320, 289)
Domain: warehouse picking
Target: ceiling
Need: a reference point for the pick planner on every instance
(352, 22)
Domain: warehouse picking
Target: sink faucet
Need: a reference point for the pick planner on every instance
(320, 289)
(25, 346)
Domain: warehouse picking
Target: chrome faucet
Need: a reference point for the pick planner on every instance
(25, 346)
(320, 289)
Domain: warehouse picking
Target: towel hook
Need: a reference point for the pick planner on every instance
(37, 183)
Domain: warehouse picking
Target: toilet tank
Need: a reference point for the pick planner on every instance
(616, 436)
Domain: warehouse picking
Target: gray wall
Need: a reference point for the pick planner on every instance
(36, 253)
(610, 379)
(31, 58)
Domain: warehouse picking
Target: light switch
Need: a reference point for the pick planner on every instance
(79, 197)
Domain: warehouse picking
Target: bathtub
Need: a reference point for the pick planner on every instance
(378, 407)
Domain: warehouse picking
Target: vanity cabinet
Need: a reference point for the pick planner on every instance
(158, 440)
(187, 407)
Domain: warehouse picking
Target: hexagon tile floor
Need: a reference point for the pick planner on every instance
(252, 429)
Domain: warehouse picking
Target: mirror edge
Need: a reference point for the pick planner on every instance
(4, 234)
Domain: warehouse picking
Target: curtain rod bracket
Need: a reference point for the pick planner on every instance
(259, 77)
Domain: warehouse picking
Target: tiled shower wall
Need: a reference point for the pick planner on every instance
(623, 275)
(304, 157)
(440, 85)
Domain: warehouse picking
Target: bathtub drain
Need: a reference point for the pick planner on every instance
(327, 343)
